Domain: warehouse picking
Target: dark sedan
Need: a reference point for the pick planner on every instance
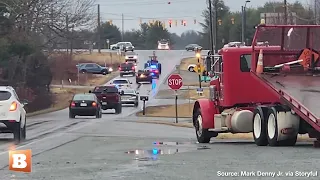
(192, 47)
(85, 105)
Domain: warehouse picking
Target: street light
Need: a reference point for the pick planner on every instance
(244, 24)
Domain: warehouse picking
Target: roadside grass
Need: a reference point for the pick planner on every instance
(61, 98)
(100, 58)
(183, 94)
(186, 62)
(184, 111)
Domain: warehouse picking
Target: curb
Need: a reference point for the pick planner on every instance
(243, 136)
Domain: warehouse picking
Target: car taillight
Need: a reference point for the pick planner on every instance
(73, 104)
(119, 68)
(13, 106)
(94, 104)
(132, 68)
(156, 71)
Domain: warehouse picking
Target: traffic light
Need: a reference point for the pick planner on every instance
(220, 22)
(195, 21)
(176, 22)
(170, 22)
(110, 22)
(198, 52)
(232, 20)
(184, 23)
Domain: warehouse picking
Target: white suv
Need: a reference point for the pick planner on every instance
(12, 113)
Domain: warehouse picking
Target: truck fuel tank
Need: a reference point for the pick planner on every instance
(240, 121)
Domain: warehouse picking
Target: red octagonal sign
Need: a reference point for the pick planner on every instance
(175, 81)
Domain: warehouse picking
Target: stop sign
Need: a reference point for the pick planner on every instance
(175, 81)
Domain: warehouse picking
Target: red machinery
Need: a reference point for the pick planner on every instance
(272, 90)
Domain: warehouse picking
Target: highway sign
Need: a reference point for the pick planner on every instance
(199, 68)
(175, 81)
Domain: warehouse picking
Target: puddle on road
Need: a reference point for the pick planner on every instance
(154, 153)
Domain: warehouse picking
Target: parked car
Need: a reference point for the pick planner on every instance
(93, 68)
(109, 97)
(85, 104)
(192, 47)
(119, 45)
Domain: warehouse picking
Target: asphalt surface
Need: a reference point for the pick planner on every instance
(113, 148)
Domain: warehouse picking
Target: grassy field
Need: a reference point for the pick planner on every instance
(103, 57)
(61, 96)
(186, 62)
(184, 111)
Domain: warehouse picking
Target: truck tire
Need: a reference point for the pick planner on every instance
(71, 115)
(83, 71)
(272, 128)
(121, 75)
(259, 126)
(203, 135)
(118, 109)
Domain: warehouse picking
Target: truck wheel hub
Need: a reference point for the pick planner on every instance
(271, 126)
(257, 125)
(199, 128)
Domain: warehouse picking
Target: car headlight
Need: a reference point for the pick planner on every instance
(135, 57)
(110, 69)
(126, 57)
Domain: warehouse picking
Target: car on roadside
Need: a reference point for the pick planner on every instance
(120, 45)
(144, 76)
(85, 104)
(128, 47)
(121, 82)
(193, 47)
(127, 69)
(109, 97)
(12, 113)
(130, 96)
(93, 68)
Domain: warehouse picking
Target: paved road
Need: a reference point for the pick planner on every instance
(112, 148)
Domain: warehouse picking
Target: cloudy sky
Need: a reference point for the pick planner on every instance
(188, 10)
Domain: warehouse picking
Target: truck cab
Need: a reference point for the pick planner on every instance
(258, 88)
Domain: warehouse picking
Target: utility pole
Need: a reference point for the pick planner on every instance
(99, 30)
(243, 23)
(122, 34)
(315, 12)
(67, 32)
(216, 26)
(211, 26)
(285, 12)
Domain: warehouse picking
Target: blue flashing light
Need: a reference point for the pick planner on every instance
(153, 66)
(152, 74)
(155, 151)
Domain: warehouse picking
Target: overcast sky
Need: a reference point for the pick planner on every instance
(188, 10)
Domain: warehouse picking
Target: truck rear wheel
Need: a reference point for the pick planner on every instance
(118, 109)
(203, 135)
(259, 126)
(273, 128)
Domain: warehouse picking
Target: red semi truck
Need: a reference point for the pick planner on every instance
(271, 90)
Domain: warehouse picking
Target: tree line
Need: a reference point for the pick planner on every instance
(229, 23)
(30, 30)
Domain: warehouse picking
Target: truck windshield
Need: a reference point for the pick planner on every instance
(120, 82)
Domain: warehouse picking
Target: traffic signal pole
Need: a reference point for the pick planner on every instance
(199, 73)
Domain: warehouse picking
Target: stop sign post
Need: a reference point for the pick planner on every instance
(175, 82)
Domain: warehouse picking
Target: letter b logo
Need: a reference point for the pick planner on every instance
(20, 160)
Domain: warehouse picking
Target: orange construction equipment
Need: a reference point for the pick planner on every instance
(259, 69)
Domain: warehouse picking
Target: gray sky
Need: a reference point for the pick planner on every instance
(179, 10)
